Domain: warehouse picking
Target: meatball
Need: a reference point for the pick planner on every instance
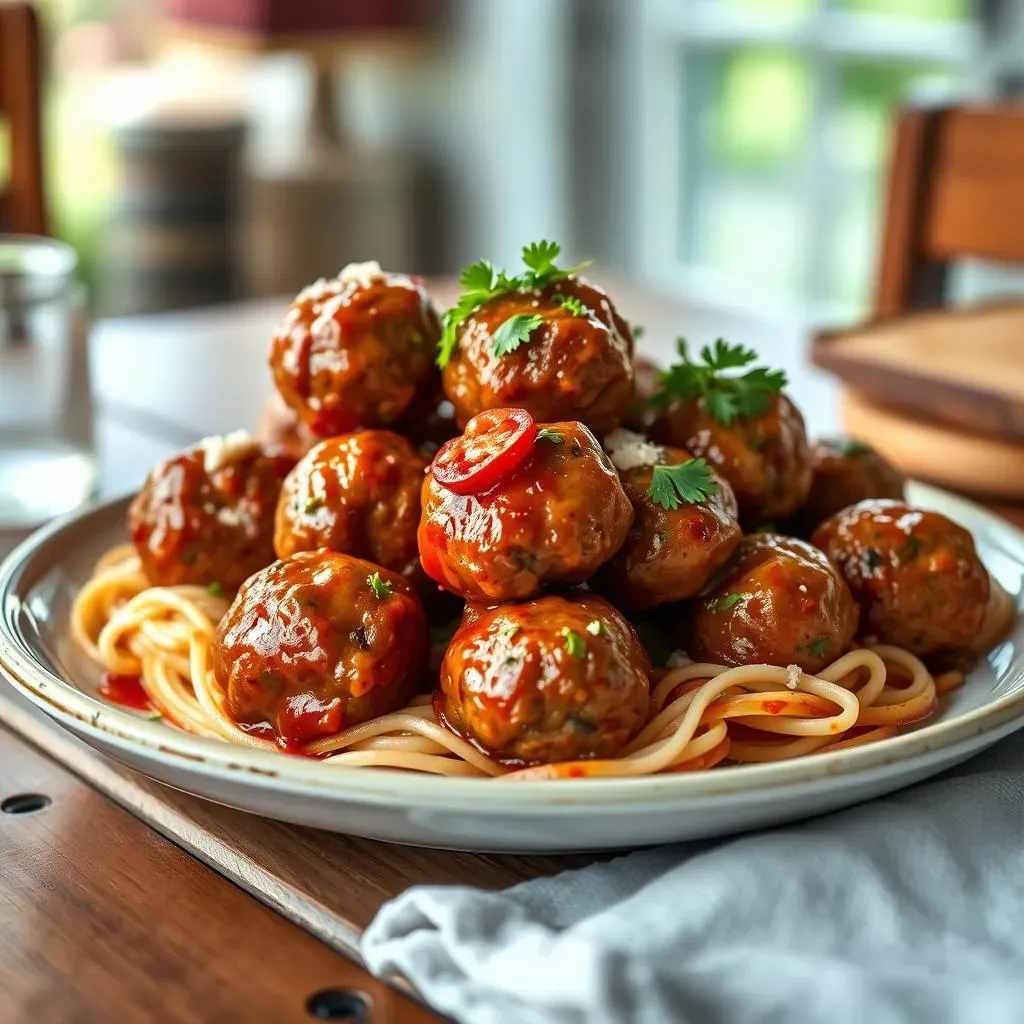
(279, 427)
(576, 363)
(319, 642)
(357, 350)
(206, 516)
(556, 515)
(915, 574)
(669, 553)
(545, 681)
(843, 473)
(765, 458)
(358, 494)
(647, 380)
(779, 601)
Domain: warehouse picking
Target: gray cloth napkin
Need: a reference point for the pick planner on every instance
(909, 908)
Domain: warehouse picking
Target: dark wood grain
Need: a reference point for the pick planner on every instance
(101, 919)
(22, 203)
(954, 190)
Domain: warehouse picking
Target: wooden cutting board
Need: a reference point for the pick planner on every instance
(958, 368)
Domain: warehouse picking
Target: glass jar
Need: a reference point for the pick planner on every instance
(47, 457)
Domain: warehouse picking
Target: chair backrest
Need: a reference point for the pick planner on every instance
(22, 202)
(955, 189)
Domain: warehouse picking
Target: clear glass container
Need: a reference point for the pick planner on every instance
(47, 457)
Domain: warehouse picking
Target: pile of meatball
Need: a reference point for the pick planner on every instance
(486, 533)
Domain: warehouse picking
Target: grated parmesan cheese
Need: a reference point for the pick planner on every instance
(794, 673)
(678, 659)
(628, 450)
(221, 449)
(362, 274)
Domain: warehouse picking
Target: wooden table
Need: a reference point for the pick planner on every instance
(101, 917)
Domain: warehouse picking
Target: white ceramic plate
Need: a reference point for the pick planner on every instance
(40, 578)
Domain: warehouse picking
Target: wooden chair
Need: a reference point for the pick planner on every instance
(22, 203)
(955, 189)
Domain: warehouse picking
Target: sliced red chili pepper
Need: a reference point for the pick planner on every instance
(494, 443)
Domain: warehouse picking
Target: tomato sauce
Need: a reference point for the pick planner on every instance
(125, 691)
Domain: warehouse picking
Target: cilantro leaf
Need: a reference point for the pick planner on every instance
(571, 304)
(692, 482)
(514, 331)
(574, 643)
(380, 586)
(818, 646)
(215, 589)
(725, 395)
(482, 281)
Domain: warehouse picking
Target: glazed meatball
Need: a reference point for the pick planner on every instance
(779, 601)
(647, 380)
(576, 364)
(669, 553)
(545, 681)
(843, 473)
(319, 642)
(206, 516)
(358, 494)
(279, 427)
(357, 350)
(765, 458)
(915, 574)
(557, 512)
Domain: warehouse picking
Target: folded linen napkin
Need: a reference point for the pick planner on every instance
(908, 909)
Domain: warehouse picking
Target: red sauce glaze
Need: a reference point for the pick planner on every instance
(265, 731)
(773, 707)
(126, 691)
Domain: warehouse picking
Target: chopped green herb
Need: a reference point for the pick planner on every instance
(154, 716)
(571, 304)
(574, 643)
(509, 630)
(215, 589)
(818, 646)
(416, 337)
(482, 281)
(311, 505)
(909, 551)
(853, 448)
(692, 482)
(596, 628)
(637, 330)
(514, 332)
(725, 603)
(873, 558)
(723, 395)
(380, 586)
(547, 434)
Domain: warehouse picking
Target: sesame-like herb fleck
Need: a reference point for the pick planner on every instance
(725, 603)
(154, 716)
(311, 505)
(215, 589)
(509, 630)
(818, 646)
(574, 643)
(380, 586)
(547, 434)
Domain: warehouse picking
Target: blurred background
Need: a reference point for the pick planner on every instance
(732, 152)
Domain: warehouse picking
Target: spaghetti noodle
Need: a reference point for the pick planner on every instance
(702, 714)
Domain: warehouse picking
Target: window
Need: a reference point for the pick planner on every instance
(765, 137)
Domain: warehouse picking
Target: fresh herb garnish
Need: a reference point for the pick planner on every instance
(692, 482)
(571, 304)
(154, 716)
(215, 589)
(855, 448)
(574, 643)
(725, 603)
(509, 630)
(482, 281)
(380, 586)
(514, 331)
(312, 504)
(596, 628)
(725, 396)
(547, 434)
(818, 646)
(637, 330)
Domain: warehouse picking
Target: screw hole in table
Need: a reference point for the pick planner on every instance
(340, 1004)
(25, 803)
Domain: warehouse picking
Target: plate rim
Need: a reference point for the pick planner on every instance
(73, 708)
